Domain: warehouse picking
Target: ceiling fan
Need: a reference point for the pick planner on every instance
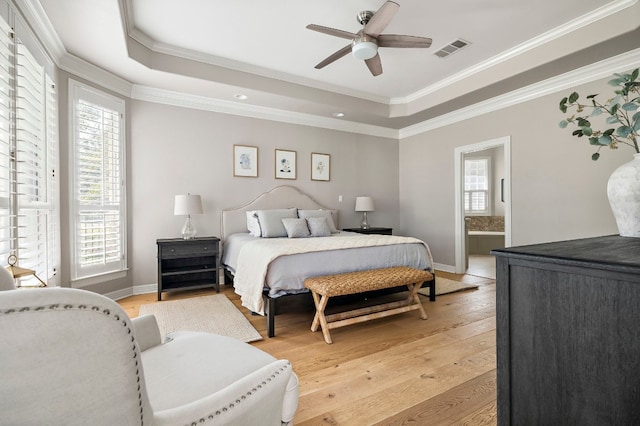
(364, 44)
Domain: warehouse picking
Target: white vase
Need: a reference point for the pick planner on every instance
(623, 190)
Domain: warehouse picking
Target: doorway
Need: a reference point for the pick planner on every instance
(483, 264)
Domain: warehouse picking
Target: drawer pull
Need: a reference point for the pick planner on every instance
(206, 248)
(173, 250)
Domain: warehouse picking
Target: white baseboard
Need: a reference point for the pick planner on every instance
(131, 291)
(445, 268)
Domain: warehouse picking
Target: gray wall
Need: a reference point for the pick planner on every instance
(557, 191)
(177, 150)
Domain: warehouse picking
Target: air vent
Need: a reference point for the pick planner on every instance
(451, 48)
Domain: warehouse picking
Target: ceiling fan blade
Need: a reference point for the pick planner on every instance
(395, 40)
(337, 55)
(375, 65)
(381, 19)
(332, 31)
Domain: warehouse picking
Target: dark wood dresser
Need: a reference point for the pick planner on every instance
(568, 332)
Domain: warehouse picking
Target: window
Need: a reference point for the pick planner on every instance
(29, 219)
(98, 202)
(476, 186)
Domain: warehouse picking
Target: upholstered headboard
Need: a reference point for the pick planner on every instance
(234, 220)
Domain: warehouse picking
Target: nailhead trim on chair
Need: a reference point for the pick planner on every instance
(241, 398)
(96, 309)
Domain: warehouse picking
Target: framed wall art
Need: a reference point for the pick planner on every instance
(245, 161)
(320, 166)
(285, 164)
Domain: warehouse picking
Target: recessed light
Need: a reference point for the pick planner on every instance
(241, 97)
(338, 114)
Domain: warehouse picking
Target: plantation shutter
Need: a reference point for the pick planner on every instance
(34, 169)
(98, 192)
(6, 94)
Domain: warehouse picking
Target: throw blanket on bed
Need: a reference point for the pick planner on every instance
(254, 259)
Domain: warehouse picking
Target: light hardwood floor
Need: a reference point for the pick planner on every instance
(391, 371)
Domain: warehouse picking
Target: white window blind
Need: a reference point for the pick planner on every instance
(6, 95)
(99, 198)
(476, 186)
(29, 219)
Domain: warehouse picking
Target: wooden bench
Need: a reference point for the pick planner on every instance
(324, 287)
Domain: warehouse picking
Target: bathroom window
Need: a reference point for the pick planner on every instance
(476, 186)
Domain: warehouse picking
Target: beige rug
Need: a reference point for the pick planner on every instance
(444, 286)
(213, 314)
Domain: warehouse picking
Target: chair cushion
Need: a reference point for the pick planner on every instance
(174, 371)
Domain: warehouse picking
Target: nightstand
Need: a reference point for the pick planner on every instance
(371, 230)
(187, 264)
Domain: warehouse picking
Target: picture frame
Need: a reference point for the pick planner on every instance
(245, 161)
(285, 164)
(320, 166)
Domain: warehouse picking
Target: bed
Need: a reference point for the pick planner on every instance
(263, 269)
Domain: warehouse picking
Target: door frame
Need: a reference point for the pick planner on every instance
(460, 240)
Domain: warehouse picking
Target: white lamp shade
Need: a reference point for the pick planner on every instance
(187, 204)
(364, 204)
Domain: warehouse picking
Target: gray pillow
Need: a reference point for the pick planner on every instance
(296, 228)
(320, 213)
(318, 226)
(271, 221)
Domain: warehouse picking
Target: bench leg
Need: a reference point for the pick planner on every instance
(413, 295)
(321, 304)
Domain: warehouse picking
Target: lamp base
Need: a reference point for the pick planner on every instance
(364, 224)
(188, 230)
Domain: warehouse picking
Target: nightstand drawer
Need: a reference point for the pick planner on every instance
(186, 248)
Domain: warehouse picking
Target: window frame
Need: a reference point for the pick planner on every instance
(469, 193)
(83, 276)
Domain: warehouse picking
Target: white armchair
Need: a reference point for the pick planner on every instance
(72, 357)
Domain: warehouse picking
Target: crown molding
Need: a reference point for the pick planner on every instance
(536, 42)
(34, 14)
(168, 97)
(94, 74)
(555, 84)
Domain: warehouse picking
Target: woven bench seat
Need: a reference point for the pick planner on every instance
(324, 287)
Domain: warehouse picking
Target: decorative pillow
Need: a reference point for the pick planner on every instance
(296, 228)
(320, 213)
(271, 221)
(252, 224)
(318, 226)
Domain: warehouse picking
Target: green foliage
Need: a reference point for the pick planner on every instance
(622, 113)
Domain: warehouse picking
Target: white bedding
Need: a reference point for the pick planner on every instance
(282, 264)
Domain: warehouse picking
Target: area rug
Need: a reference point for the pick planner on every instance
(444, 286)
(213, 314)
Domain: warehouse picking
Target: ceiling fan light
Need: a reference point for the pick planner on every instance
(364, 50)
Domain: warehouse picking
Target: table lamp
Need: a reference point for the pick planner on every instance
(364, 205)
(187, 205)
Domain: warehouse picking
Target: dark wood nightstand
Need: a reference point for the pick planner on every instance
(371, 230)
(187, 264)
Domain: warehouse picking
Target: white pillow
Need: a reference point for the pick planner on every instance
(253, 226)
(271, 221)
(296, 228)
(319, 213)
(318, 226)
